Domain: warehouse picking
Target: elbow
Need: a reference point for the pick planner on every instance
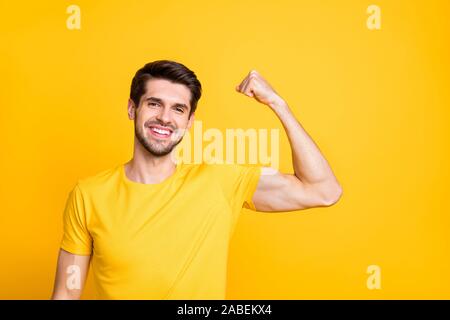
(332, 195)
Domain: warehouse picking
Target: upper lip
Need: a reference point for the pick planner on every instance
(160, 127)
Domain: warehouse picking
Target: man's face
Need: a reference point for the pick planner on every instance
(162, 116)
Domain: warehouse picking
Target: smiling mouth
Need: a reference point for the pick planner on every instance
(160, 132)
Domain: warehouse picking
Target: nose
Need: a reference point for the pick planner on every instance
(164, 115)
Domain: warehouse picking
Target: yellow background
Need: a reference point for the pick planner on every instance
(375, 101)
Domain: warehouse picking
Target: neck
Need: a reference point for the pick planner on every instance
(147, 168)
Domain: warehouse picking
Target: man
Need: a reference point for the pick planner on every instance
(154, 229)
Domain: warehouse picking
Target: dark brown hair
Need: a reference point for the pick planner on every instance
(168, 70)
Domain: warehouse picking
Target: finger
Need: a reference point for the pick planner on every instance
(242, 84)
(248, 90)
(246, 80)
(249, 87)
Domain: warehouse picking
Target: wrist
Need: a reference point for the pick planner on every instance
(279, 105)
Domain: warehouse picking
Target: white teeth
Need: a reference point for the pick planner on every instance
(160, 131)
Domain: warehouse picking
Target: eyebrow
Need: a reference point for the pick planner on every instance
(182, 105)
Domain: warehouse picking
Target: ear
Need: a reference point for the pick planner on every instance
(190, 121)
(131, 109)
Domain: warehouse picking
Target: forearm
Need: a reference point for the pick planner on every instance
(310, 166)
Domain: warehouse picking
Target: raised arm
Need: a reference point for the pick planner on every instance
(71, 273)
(313, 184)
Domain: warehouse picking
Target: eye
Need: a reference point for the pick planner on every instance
(179, 109)
(153, 104)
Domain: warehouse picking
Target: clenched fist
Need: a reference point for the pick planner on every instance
(254, 85)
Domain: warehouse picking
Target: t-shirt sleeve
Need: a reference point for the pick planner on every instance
(248, 183)
(76, 237)
(239, 184)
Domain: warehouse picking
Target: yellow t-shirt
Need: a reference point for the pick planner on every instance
(159, 241)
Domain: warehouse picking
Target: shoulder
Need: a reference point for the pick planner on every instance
(99, 180)
(228, 171)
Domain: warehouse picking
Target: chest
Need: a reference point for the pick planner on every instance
(159, 229)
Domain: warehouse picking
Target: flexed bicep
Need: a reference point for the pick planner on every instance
(279, 192)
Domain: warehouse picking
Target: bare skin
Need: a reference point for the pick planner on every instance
(313, 184)
(61, 289)
(166, 106)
